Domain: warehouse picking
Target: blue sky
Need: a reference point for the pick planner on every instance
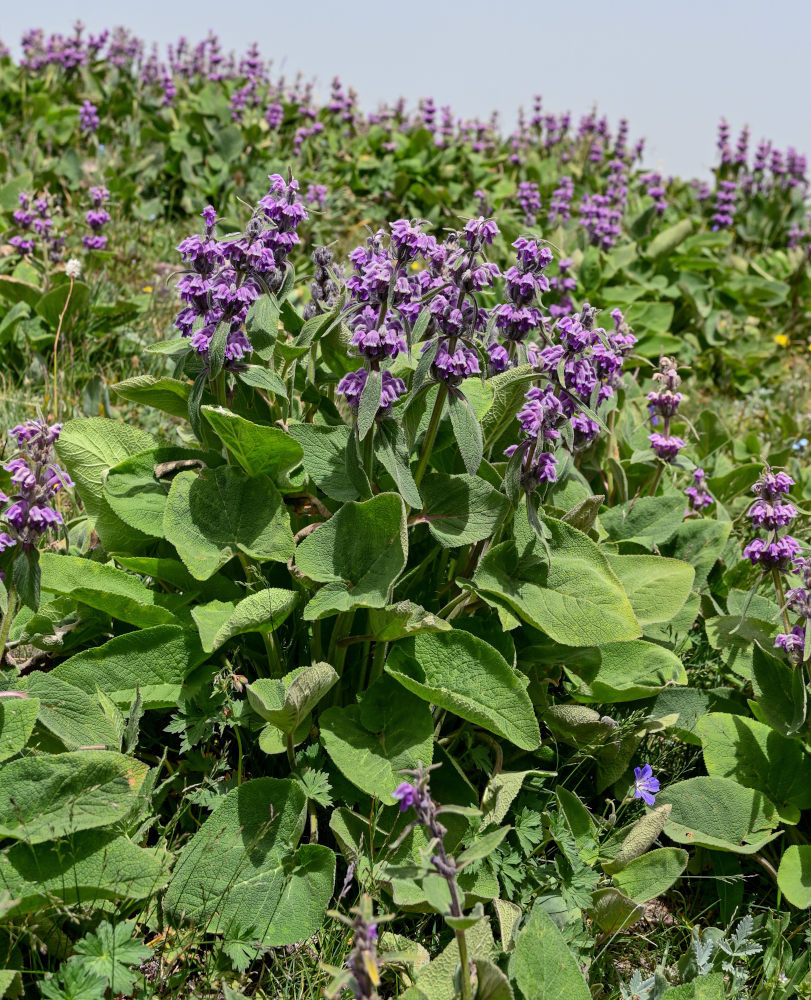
(672, 69)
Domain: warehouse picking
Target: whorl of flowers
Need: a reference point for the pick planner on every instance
(89, 120)
(563, 284)
(654, 188)
(798, 602)
(529, 201)
(664, 402)
(224, 278)
(38, 230)
(772, 514)
(698, 496)
(326, 283)
(724, 206)
(560, 204)
(97, 218)
(36, 479)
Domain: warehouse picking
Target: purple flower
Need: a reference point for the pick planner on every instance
(405, 794)
(793, 642)
(778, 554)
(645, 785)
(698, 495)
(666, 448)
(209, 216)
(89, 120)
(529, 201)
(481, 231)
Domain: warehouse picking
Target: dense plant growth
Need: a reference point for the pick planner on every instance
(404, 538)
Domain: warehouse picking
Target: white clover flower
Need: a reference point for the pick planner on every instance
(73, 268)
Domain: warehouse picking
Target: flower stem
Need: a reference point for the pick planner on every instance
(378, 661)
(781, 600)
(8, 617)
(291, 751)
(56, 350)
(465, 970)
(430, 434)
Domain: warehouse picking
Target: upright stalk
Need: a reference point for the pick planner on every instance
(781, 599)
(8, 617)
(430, 434)
(56, 350)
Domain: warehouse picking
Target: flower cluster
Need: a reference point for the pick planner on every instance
(583, 367)
(772, 513)
(89, 120)
(563, 284)
(724, 206)
(529, 201)
(520, 316)
(224, 278)
(698, 496)
(664, 402)
(798, 602)
(560, 205)
(28, 512)
(326, 283)
(97, 218)
(35, 219)
(654, 188)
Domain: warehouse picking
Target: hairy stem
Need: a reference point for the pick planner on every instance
(430, 434)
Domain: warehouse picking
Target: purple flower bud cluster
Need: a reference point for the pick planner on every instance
(224, 278)
(563, 284)
(772, 513)
(724, 206)
(529, 201)
(798, 602)
(654, 188)
(723, 144)
(583, 367)
(560, 204)
(97, 218)
(664, 402)
(326, 283)
(520, 316)
(316, 195)
(89, 120)
(28, 512)
(35, 219)
(699, 497)
(600, 217)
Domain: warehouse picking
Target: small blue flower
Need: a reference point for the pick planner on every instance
(645, 784)
(800, 445)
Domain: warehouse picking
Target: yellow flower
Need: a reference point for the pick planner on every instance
(147, 288)
(781, 339)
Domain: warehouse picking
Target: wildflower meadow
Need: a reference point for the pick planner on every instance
(405, 547)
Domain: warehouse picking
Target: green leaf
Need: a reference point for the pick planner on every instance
(668, 239)
(264, 612)
(155, 661)
(627, 671)
(398, 621)
(576, 599)
(482, 846)
(699, 542)
(613, 911)
(212, 516)
(635, 841)
(369, 403)
(358, 553)
(26, 574)
(437, 981)
(392, 451)
(45, 797)
(120, 595)
(461, 510)
(718, 812)
(90, 446)
(137, 488)
(757, 757)
(287, 702)
(242, 870)
(794, 875)
(500, 792)
(648, 876)
(371, 743)
(467, 431)
(656, 587)
(73, 716)
(167, 394)
(109, 951)
(73, 981)
(262, 378)
(93, 864)
(542, 966)
(466, 676)
(647, 521)
(780, 692)
(324, 449)
(17, 718)
(260, 450)
(492, 983)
